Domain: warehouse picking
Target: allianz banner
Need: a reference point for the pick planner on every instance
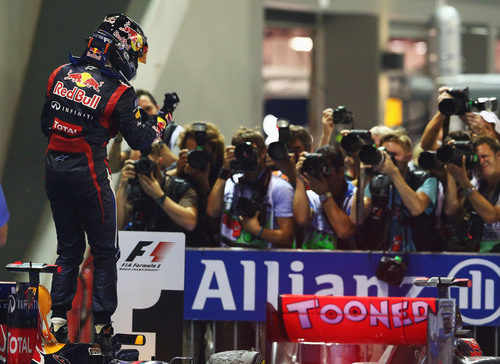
(226, 284)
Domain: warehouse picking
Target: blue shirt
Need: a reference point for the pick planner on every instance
(4, 212)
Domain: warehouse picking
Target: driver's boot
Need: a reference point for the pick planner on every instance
(59, 328)
(104, 337)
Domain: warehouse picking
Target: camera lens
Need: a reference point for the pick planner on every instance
(447, 107)
(428, 160)
(144, 166)
(246, 157)
(198, 159)
(277, 151)
(369, 154)
(446, 153)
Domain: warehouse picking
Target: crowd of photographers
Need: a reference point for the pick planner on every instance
(360, 189)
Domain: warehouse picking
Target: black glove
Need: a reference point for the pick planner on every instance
(170, 103)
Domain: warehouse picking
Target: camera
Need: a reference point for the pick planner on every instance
(278, 151)
(391, 270)
(458, 104)
(484, 103)
(135, 194)
(369, 154)
(199, 157)
(343, 118)
(247, 207)
(381, 191)
(314, 165)
(247, 157)
(144, 166)
(353, 141)
(453, 153)
(428, 160)
(170, 102)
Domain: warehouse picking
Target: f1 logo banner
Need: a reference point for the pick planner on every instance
(226, 284)
(150, 272)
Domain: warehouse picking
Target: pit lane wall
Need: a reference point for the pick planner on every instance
(234, 284)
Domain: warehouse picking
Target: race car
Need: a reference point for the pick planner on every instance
(25, 337)
(310, 329)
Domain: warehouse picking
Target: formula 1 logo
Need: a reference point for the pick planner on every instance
(146, 256)
(84, 79)
(483, 297)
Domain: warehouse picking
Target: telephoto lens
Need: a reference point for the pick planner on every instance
(458, 104)
(353, 141)
(428, 160)
(369, 154)
(453, 153)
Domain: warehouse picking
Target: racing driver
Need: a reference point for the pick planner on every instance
(88, 101)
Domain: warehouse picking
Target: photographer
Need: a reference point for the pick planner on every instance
(400, 201)
(324, 209)
(299, 140)
(200, 158)
(479, 198)
(484, 122)
(149, 200)
(255, 207)
(149, 106)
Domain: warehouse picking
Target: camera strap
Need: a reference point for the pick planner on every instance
(258, 189)
(475, 227)
(169, 131)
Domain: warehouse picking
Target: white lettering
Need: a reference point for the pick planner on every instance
(248, 285)
(214, 269)
(297, 279)
(363, 284)
(355, 311)
(414, 291)
(76, 95)
(273, 269)
(476, 289)
(302, 307)
(336, 282)
(399, 315)
(331, 314)
(382, 315)
(419, 309)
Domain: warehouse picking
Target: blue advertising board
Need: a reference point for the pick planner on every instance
(235, 284)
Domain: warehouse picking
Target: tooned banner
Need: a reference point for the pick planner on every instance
(234, 284)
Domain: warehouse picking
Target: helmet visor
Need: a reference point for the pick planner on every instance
(143, 53)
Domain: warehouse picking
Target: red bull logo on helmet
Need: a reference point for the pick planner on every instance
(84, 79)
(77, 95)
(132, 39)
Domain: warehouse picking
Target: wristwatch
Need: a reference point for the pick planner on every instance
(323, 197)
(161, 199)
(468, 191)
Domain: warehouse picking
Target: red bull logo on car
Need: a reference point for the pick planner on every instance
(84, 79)
(77, 95)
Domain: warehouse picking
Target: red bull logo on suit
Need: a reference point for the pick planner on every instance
(77, 95)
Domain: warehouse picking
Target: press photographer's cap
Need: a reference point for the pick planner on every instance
(492, 118)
